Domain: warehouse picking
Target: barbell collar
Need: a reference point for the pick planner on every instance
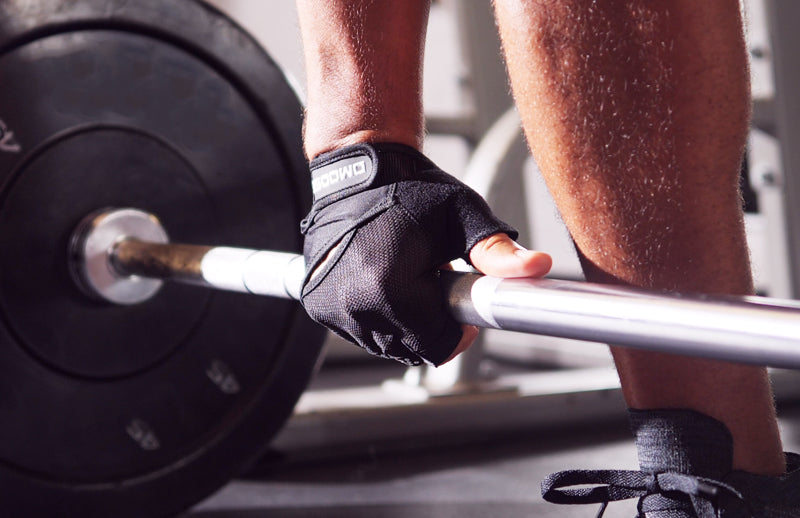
(90, 255)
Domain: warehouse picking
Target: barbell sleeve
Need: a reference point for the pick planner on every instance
(754, 330)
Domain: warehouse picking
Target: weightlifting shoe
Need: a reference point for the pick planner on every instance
(686, 472)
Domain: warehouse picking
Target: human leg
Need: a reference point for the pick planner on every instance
(637, 113)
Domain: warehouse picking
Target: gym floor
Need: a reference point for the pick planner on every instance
(470, 475)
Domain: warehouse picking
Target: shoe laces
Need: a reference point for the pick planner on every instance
(604, 486)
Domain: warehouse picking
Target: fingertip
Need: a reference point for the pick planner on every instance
(501, 256)
(468, 335)
(537, 264)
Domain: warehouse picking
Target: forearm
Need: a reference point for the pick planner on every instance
(364, 70)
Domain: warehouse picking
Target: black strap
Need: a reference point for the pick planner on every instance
(604, 486)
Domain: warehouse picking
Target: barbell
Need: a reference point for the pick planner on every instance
(128, 396)
(123, 255)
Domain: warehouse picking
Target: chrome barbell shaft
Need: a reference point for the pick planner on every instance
(755, 330)
(752, 330)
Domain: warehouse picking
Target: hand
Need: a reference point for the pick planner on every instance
(501, 256)
(384, 219)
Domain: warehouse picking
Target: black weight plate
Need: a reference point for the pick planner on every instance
(171, 108)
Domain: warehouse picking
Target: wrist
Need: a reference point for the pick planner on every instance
(318, 142)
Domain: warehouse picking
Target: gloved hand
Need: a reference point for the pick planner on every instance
(384, 220)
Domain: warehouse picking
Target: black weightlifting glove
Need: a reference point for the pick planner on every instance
(399, 218)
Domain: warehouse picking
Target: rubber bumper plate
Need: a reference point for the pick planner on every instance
(171, 108)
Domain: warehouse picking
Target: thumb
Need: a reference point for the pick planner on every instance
(500, 256)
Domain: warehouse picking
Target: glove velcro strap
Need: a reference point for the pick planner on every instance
(353, 169)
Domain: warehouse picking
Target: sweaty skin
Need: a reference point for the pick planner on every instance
(636, 112)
